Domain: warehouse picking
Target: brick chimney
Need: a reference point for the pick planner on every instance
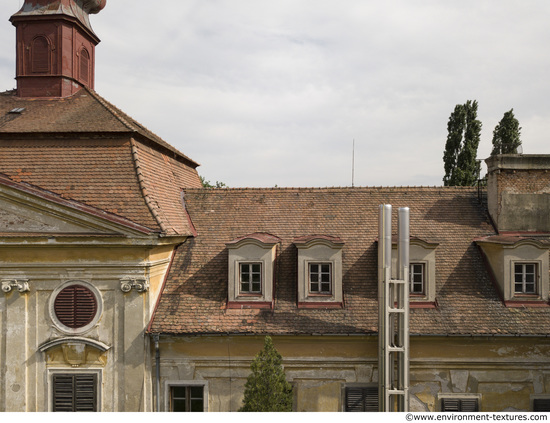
(518, 192)
(55, 53)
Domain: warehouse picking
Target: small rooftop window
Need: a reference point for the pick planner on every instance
(17, 110)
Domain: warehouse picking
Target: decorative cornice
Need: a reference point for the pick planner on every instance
(22, 285)
(139, 284)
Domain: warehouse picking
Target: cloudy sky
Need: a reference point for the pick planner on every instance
(266, 93)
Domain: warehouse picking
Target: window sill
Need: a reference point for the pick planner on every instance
(321, 304)
(422, 304)
(246, 305)
(526, 303)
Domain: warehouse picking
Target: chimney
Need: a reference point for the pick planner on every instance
(518, 192)
(55, 51)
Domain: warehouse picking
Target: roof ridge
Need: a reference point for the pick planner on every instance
(370, 188)
(136, 127)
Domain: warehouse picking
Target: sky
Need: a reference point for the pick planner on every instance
(319, 93)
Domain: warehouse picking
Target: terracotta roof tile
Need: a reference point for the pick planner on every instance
(195, 296)
(85, 149)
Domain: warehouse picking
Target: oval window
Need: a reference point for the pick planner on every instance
(75, 306)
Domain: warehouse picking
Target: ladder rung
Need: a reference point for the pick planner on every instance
(396, 392)
(396, 310)
(396, 349)
(397, 281)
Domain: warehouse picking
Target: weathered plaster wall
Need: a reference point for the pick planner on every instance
(505, 371)
(25, 324)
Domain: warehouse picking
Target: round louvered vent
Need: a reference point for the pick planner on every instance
(75, 306)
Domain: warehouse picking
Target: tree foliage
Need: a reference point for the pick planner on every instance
(506, 136)
(208, 184)
(459, 157)
(266, 388)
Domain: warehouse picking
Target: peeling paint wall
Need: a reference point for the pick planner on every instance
(504, 371)
(124, 369)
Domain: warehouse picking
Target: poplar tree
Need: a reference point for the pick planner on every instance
(459, 157)
(506, 136)
(266, 388)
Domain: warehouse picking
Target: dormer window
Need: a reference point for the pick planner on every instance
(422, 266)
(525, 278)
(250, 278)
(519, 267)
(417, 278)
(320, 278)
(250, 270)
(319, 271)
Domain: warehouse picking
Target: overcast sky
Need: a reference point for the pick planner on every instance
(264, 93)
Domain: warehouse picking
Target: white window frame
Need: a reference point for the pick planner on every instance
(65, 370)
(320, 273)
(184, 383)
(251, 273)
(535, 282)
(423, 266)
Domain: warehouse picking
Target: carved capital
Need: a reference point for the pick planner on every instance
(139, 284)
(22, 285)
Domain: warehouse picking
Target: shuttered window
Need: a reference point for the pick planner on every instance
(40, 52)
(84, 66)
(362, 398)
(74, 392)
(460, 404)
(75, 306)
(541, 404)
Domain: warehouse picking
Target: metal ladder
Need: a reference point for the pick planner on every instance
(393, 314)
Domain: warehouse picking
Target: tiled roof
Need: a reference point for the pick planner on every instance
(195, 296)
(84, 149)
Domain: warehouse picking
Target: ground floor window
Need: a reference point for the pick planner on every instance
(460, 404)
(74, 392)
(186, 398)
(541, 404)
(361, 398)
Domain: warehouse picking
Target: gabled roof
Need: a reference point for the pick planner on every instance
(85, 149)
(194, 299)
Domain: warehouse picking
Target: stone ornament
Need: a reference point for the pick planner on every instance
(139, 284)
(22, 285)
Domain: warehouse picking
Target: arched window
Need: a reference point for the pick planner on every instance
(84, 66)
(40, 55)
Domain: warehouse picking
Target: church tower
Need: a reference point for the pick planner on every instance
(55, 47)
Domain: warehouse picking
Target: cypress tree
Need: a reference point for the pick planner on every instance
(266, 388)
(459, 157)
(506, 136)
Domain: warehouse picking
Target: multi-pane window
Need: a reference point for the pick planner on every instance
(74, 392)
(460, 404)
(525, 278)
(186, 398)
(251, 278)
(320, 278)
(417, 276)
(362, 398)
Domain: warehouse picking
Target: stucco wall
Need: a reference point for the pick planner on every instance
(26, 324)
(506, 372)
